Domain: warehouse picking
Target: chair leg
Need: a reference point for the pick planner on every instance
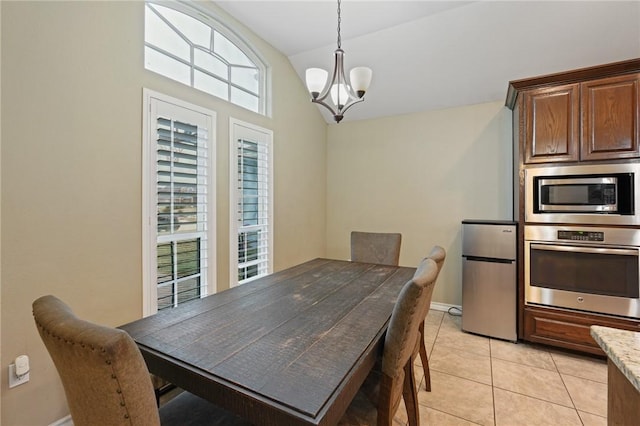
(385, 416)
(162, 390)
(410, 394)
(424, 359)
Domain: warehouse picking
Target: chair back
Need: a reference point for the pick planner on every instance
(104, 376)
(438, 254)
(402, 333)
(376, 247)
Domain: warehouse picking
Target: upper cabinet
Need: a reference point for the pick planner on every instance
(551, 124)
(610, 115)
(582, 115)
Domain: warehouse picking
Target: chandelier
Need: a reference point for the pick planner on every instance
(343, 95)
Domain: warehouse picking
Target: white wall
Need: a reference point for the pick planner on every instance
(420, 175)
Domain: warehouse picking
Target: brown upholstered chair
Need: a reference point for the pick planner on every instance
(395, 379)
(375, 247)
(105, 378)
(438, 255)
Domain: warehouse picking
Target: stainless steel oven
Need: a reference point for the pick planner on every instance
(603, 194)
(592, 269)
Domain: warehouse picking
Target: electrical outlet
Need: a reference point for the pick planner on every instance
(14, 380)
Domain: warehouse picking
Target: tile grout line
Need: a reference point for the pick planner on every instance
(566, 388)
(493, 388)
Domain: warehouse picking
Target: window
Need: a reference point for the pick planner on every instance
(252, 201)
(185, 46)
(179, 202)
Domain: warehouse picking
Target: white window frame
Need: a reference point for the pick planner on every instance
(215, 22)
(149, 197)
(242, 130)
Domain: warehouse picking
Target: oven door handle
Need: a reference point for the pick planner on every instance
(582, 249)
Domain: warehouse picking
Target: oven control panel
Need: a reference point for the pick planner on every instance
(581, 235)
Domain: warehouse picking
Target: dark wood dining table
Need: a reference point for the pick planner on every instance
(291, 348)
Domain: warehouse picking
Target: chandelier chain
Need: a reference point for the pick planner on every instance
(339, 20)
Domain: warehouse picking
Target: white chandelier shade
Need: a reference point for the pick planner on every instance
(360, 78)
(316, 79)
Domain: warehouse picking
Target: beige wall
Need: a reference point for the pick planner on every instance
(70, 165)
(72, 79)
(0, 198)
(420, 174)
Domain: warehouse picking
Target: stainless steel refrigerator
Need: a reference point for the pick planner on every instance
(489, 290)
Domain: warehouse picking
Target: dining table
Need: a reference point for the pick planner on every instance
(289, 348)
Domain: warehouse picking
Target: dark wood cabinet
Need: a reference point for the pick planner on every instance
(589, 114)
(623, 399)
(552, 119)
(610, 114)
(593, 120)
(584, 115)
(568, 329)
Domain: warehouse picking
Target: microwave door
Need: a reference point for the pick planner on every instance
(585, 195)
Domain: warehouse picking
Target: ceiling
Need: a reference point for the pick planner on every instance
(438, 54)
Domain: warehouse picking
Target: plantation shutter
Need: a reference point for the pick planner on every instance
(253, 209)
(182, 162)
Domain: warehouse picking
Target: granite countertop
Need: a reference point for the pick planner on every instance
(623, 349)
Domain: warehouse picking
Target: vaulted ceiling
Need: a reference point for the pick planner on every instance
(438, 54)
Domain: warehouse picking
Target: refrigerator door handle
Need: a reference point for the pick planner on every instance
(487, 259)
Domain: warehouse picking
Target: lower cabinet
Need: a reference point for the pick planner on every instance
(569, 330)
(623, 399)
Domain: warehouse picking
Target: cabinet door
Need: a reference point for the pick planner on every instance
(610, 115)
(552, 119)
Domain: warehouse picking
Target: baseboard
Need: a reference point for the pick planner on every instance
(444, 307)
(65, 421)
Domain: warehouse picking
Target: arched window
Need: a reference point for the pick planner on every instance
(181, 44)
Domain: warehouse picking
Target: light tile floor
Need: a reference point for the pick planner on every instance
(477, 380)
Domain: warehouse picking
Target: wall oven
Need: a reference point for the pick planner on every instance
(589, 269)
(604, 194)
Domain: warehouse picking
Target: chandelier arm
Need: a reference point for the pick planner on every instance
(324, 104)
(338, 73)
(327, 89)
(337, 62)
(320, 99)
(351, 92)
(340, 112)
(351, 103)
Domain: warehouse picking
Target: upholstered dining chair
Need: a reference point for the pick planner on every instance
(105, 378)
(376, 247)
(395, 379)
(437, 254)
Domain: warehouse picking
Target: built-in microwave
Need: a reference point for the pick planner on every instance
(592, 194)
